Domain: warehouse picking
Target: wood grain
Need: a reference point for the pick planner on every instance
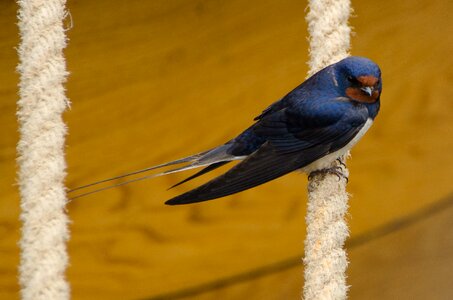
(153, 81)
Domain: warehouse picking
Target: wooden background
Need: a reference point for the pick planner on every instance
(153, 81)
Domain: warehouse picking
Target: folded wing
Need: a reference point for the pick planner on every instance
(290, 145)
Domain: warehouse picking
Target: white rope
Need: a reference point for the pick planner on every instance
(325, 259)
(40, 150)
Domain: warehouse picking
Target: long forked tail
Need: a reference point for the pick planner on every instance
(213, 159)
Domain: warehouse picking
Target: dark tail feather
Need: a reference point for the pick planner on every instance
(174, 162)
(213, 158)
(199, 173)
(260, 167)
(191, 166)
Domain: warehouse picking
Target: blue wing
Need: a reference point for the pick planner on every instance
(295, 137)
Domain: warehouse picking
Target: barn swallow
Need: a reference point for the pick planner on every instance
(309, 128)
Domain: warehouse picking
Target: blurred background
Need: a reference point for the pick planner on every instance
(153, 81)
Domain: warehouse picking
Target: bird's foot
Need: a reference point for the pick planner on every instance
(340, 161)
(338, 170)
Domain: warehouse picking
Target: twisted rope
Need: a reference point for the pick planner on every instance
(325, 258)
(40, 158)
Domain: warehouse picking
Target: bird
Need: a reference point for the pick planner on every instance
(308, 129)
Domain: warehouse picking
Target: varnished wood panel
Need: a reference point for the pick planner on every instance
(153, 81)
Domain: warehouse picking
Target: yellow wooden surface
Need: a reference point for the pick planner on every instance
(153, 81)
(409, 260)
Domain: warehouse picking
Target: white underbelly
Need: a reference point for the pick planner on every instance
(326, 161)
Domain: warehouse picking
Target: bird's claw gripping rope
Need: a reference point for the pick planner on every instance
(338, 170)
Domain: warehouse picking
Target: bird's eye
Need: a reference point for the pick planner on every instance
(352, 79)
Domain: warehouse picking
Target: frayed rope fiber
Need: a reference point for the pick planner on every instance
(325, 257)
(41, 163)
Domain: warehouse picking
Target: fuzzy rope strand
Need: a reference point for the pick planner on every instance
(325, 258)
(40, 150)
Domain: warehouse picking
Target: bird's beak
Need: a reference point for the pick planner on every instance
(368, 90)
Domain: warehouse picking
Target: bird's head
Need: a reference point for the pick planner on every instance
(359, 79)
